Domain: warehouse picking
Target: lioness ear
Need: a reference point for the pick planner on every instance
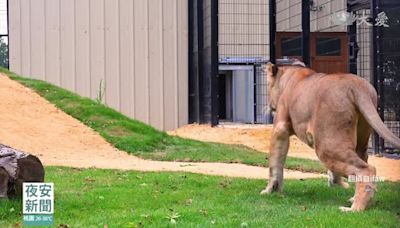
(272, 69)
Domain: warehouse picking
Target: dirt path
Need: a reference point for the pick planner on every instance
(258, 138)
(253, 136)
(30, 123)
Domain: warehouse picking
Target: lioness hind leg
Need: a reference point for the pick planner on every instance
(278, 152)
(365, 190)
(363, 135)
(335, 179)
(354, 165)
(364, 132)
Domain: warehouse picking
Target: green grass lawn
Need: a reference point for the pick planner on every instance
(92, 198)
(142, 140)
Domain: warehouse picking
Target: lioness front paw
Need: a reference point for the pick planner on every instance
(266, 191)
(345, 185)
(341, 183)
(273, 186)
(345, 209)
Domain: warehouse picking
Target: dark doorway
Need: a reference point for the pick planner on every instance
(221, 95)
(225, 96)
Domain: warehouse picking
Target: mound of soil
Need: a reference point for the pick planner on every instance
(32, 124)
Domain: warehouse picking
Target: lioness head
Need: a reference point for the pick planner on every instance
(273, 75)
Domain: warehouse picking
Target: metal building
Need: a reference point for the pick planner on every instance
(137, 49)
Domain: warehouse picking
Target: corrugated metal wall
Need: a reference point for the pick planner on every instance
(139, 48)
(288, 16)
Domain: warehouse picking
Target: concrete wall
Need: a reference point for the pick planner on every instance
(138, 48)
(243, 28)
(244, 24)
(289, 16)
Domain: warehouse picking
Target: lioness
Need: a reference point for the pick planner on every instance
(332, 113)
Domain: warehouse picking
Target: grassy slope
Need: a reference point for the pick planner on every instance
(142, 140)
(92, 198)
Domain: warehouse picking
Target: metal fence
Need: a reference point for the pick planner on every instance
(247, 34)
(360, 58)
(261, 102)
(364, 58)
(375, 55)
(387, 60)
(243, 29)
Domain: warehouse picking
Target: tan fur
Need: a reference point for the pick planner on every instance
(332, 113)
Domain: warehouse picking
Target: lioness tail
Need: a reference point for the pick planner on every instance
(367, 108)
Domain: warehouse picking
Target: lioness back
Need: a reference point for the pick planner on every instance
(321, 101)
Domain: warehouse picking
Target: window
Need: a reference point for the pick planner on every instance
(291, 46)
(328, 46)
